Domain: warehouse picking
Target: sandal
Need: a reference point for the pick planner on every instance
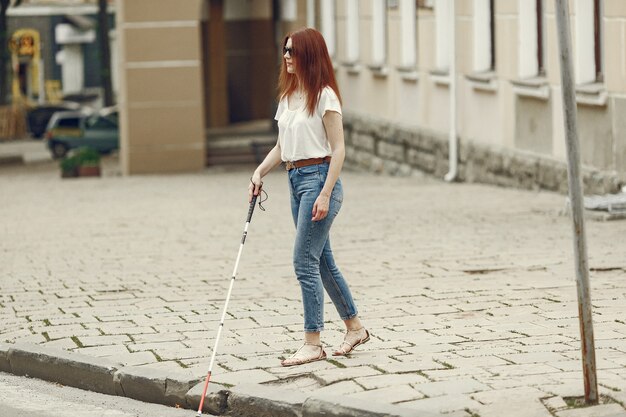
(351, 344)
(300, 358)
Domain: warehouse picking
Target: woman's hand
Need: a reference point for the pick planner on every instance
(320, 208)
(271, 161)
(255, 185)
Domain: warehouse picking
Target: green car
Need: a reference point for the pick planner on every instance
(72, 129)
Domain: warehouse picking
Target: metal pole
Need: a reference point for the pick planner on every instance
(575, 196)
(453, 144)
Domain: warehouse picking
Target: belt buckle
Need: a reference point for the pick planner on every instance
(289, 165)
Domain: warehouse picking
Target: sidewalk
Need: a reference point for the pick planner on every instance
(468, 291)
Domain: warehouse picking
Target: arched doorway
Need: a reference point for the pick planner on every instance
(27, 65)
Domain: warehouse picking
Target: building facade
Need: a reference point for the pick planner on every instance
(54, 52)
(189, 66)
(424, 82)
(398, 65)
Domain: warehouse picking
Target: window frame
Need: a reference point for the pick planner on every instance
(408, 34)
(588, 51)
(353, 52)
(378, 60)
(442, 35)
(328, 25)
(531, 39)
(484, 53)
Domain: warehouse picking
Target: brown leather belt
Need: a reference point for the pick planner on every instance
(305, 163)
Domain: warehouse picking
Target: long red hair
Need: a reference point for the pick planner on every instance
(314, 67)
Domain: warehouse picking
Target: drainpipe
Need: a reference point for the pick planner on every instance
(453, 147)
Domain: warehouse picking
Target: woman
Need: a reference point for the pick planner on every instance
(311, 143)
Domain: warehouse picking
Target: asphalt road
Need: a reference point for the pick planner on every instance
(27, 397)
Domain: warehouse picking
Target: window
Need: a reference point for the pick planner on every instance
(100, 123)
(531, 34)
(328, 29)
(442, 34)
(73, 122)
(352, 31)
(379, 33)
(409, 33)
(541, 68)
(597, 40)
(484, 35)
(492, 33)
(588, 35)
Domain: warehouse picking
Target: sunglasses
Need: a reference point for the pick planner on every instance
(285, 50)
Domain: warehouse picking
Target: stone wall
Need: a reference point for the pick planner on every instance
(385, 147)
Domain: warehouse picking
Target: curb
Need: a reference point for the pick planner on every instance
(5, 365)
(263, 401)
(153, 385)
(67, 368)
(176, 389)
(11, 160)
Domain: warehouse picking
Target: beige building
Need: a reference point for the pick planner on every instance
(186, 67)
(403, 76)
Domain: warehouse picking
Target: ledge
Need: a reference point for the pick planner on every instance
(593, 94)
(536, 87)
(352, 68)
(408, 74)
(440, 77)
(379, 71)
(483, 81)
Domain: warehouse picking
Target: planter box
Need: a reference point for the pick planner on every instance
(89, 171)
(69, 174)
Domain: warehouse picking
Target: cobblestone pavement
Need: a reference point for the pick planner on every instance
(468, 290)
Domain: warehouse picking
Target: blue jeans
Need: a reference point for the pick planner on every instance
(312, 256)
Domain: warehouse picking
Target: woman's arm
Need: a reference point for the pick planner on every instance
(270, 162)
(333, 123)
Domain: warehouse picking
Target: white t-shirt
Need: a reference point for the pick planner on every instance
(302, 136)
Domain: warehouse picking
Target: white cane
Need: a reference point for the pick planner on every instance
(230, 290)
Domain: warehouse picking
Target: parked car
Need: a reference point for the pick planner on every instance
(39, 116)
(70, 130)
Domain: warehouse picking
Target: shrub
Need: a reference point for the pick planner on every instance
(69, 165)
(87, 157)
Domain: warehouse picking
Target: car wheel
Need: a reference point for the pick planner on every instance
(59, 150)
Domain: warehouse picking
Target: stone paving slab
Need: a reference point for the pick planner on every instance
(456, 282)
(606, 410)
